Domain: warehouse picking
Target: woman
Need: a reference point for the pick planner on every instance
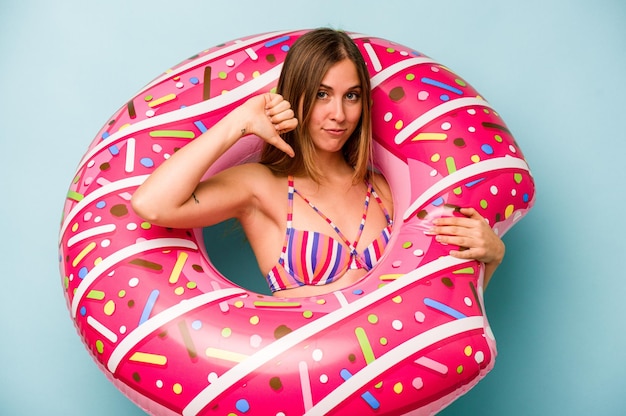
(305, 206)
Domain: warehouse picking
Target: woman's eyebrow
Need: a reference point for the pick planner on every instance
(328, 87)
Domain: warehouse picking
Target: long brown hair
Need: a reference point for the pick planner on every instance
(308, 60)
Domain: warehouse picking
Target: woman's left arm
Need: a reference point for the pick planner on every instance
(475, 236)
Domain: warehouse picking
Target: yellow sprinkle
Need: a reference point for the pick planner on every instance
(225, 355)
(254, 320)
(123, 126)
(430, 136)
(75, 226)
(391, 276)
(397, 299)
(397, 388)
(508, 211)
(144, 357)
(179, 290)
(83, 253)
(399, 124)
(164, 99)
(256, 74)
(178, 267)
(177, 388)
(468, 350)
(269, 304)
(321, 301)
(238, 304)
(475, 158)
(435, 158)
(97, 261)
(109, 308)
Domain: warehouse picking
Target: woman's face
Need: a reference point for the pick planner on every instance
(337, 109)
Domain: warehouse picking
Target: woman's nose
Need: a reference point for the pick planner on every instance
(338, 112)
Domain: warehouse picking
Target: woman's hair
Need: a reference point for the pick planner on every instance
(306, 64)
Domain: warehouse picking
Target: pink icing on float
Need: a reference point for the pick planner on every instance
(177, 337)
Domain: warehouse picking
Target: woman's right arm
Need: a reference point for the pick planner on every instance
(173, 195)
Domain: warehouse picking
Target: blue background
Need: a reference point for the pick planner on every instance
(555, 70)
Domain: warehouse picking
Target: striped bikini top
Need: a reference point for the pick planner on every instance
(313, 258)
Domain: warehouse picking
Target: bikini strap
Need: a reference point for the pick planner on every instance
(289, 225)
(382, 206)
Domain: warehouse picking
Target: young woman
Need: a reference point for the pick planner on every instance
(314, 213)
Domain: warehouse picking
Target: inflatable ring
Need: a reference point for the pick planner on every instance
(177, 337)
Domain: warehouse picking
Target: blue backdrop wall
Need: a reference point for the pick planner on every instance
(555, 70)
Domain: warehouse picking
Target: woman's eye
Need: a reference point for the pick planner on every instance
(322, 94)
(353, 96)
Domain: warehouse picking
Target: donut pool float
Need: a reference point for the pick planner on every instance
(177, 337)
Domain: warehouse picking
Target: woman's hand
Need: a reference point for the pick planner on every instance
(269, 116)
(476, 239)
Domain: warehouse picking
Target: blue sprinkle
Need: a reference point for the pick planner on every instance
(487, 149)
(83, 272)
(83, 311)
(444, 308)
(147, 162)
(194, 80)
(371, 400)
(525, 198)
(101, 204)
(276, 41)
(197, 324)
(114, 150)
(284, 48)
(147, 309)
(438, 202)
(200, 125)
(435, 83)
(345, 374)
(444, 97)
(242, 405)
(357, 291)
(472, 183)
(105, 135)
